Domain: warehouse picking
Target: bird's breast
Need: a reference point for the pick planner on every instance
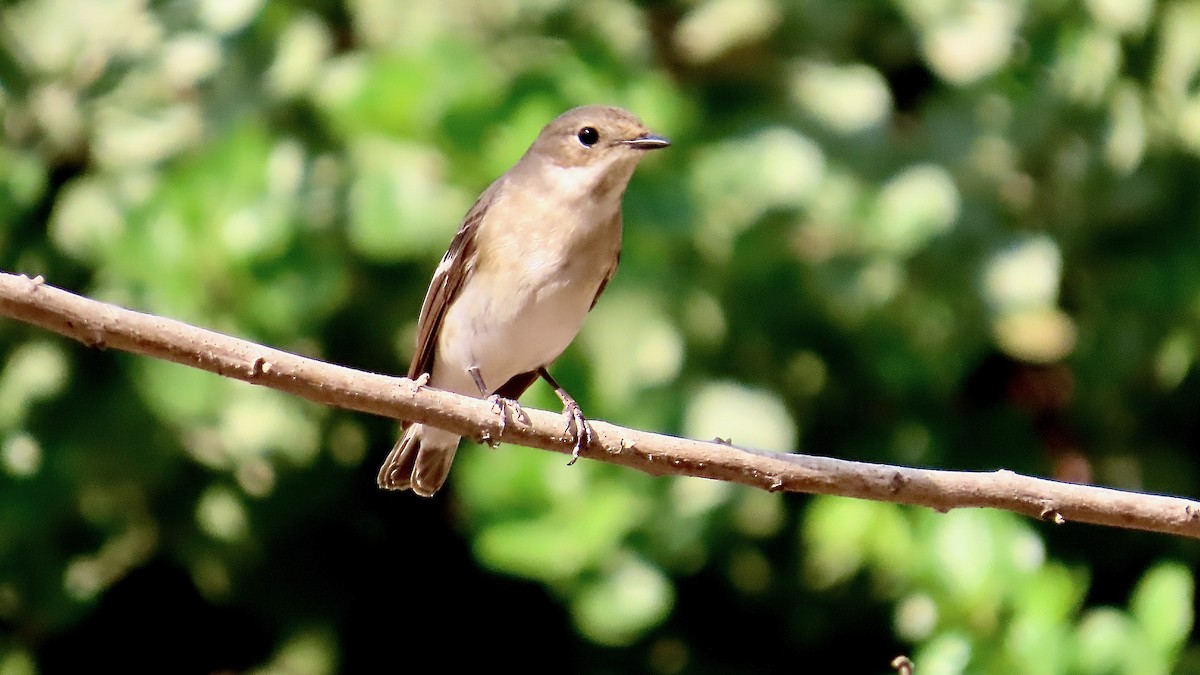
(531, 287)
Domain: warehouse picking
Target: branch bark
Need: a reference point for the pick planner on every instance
(101, 325)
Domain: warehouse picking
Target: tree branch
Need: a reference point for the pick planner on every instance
(98, 324)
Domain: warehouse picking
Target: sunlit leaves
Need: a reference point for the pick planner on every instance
(32, 372)
(713, 27)
(982, 597)
(847, 99)
(912, 207)
(965, 41)
(738, 181)
(1162, 604)
(399, 204)
(629, 339)
(749, 418)
(866, 207)
(621, 605)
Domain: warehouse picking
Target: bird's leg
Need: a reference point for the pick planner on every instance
(577, 425)
(500, 405)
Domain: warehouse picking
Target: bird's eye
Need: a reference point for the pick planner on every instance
(588, 136)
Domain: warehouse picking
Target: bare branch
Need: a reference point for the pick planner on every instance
(102, 325)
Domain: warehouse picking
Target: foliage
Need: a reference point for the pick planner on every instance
(946, 233)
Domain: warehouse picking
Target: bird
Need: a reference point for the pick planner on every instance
(528, 262)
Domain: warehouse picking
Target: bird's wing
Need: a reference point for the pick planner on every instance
(517, 385)
(456, 266)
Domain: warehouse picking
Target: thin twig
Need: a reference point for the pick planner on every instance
(102, 325)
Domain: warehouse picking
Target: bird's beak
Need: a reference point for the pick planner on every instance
(647, 142)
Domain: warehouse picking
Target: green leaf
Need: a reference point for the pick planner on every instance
(623, 603)
(1162, 603)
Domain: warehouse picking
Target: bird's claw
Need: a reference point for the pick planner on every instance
(577, 428)
(503, 407)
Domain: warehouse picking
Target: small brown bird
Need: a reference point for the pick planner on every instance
(527, 264)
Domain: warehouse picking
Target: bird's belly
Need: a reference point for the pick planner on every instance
(506, 327)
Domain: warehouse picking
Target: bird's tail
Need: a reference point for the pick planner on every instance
(420, 461)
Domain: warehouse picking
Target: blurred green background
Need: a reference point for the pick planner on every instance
(958, 234)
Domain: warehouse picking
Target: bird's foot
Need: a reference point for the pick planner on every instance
(577, 428)
(504, 407)
(418, 383)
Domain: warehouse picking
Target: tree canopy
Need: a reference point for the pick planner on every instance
(961, 234)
